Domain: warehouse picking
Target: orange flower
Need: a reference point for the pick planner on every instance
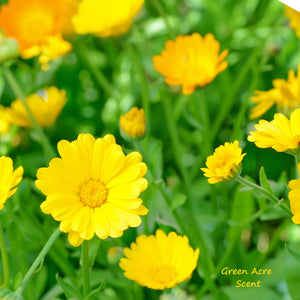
(191, 61)
(37, 25)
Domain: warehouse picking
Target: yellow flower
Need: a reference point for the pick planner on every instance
(106, 18)
(191, 61)
(36, 25)
(159, 261)
(285, 94)
(93, 188)
(9, 178)
(294, 196)
(133, 123)
(225, 163)
(294, 17)
(5, 119)
(45, 107)
(280, 134)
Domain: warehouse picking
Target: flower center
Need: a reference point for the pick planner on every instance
(93, 193)
(165, 274)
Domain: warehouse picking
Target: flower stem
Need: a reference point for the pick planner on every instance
(297, 160)
(85, 268)
(47, 148)
(265, 192)
(4, 258)
(157, 4)
(38, 261)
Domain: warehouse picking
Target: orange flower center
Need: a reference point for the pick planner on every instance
(165, 274)
(93, 193)
(36, 26)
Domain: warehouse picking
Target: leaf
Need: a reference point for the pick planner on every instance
(69, 290)
(235, 293)
(293, 254)
(95, 292)
(178, 201)
(264, 181)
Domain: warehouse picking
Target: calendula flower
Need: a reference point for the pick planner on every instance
(225, 163)
(294, 196)
(45, 107)
(93, 188)
(159, 261)
(105, 18)
(191, 61)
(5, 119)
(294, 17)
(280, 134)
(9, 178)
(285, 94)
(37, 25)
(133, 123)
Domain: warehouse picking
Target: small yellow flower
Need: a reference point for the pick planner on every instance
(294, 196)
(294, 17)
(106, 18)
(9, 178)
(5, 119)
(36, 25)
(285, 94)
(159, 261)
(280, 134)
(93, 188)
(191, 61)
(44, 106)
(225, 163)
(133, 123)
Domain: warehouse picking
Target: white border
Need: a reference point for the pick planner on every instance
(295, 4)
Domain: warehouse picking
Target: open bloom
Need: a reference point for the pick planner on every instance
(159, 261)
(225, 163)
(93, 188)
(105, 18)
(37, 25)
(9, 178)
(294, 196)
(285, 94)
(133, 123)
(191, 61)
(5, 119)
(294, 17)
(45, 107)
(280, 134)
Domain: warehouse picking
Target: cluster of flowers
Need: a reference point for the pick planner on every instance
(93, 188)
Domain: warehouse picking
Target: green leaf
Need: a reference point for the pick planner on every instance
(293, 254)
(264, 181)
(69, 290)
(235, 293)
(96, 292)
(178, 201)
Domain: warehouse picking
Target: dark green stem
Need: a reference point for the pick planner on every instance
(48, 150)
(269, 195)
(4, 256)
(85, 268)
(38, 261)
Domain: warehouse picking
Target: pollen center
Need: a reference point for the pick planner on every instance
(165, 274)
(93, 193)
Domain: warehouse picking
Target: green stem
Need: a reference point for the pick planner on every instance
(231, 96)
(144, 85)
(85, 268)
(100, 78)
(157, 4)
(38, 261)
(48, 150)
(4, 258)
(265, 192)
